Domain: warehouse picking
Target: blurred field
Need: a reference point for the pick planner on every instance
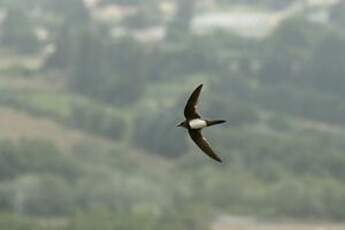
(278, 226)
(250, 223)
(15, 125)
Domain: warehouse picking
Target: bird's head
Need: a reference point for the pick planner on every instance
(182, 124)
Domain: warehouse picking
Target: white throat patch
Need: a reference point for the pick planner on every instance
(197, 124)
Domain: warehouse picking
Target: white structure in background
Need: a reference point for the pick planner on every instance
(151, 34)
(251, 24)
(322, 2)
(245, 22)
(42, 34)
(91, 3)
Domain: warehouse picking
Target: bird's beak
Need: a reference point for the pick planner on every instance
(179, 125)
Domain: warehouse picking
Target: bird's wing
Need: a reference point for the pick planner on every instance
(201, 141)
(190, 109)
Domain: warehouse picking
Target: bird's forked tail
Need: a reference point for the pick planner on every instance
(215, 122)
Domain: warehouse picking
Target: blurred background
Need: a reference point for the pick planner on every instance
(91, 92)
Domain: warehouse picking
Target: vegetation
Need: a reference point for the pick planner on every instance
(283, 96)
(18, 32)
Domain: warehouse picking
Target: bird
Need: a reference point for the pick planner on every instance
(194, 124)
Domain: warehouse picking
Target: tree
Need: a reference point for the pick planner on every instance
(147, 16)
(295, 39)
(162, 140)
(179, 27)
(121, 2)
(61, 57)
(72, 11)
(239, 113)
(337, 14)
(97, 120)
(88, 64)
(128, 64)
(44, 196)
(14, 222)
(18, 32)
(326, 69)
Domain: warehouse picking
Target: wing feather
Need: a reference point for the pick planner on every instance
(201, 141)
(190, 108)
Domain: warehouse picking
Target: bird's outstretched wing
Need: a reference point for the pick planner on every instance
(190, 109)
(201, 141)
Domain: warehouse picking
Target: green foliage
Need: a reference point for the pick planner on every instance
(336, 14)
(238, 113)
(179, 27)
(295, 39)
(54, 105)
(97, 120)
(281, 97)
(137, 198)
(18, 32)
(128, 62)
(279, 122)
(12, 222)
(326, 61)
(72, 11)
(308, 197)
(45, 196)
(111, 72)
(270, 4)
(186, 218)
(34, 157)
(63, 49)
(148, 15)
(88, 66)
(158, 136)
(121, 2)
(193, 55)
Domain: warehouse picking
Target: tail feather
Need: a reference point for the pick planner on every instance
(215, 122)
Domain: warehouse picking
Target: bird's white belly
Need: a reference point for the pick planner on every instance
(197, 124)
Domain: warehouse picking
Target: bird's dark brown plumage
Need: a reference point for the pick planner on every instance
(201, 141)
(190, 114)
(190, 108)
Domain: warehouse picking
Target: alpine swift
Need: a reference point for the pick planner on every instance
(194, 124)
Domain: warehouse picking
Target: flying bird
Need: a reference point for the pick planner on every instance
(194, 124)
